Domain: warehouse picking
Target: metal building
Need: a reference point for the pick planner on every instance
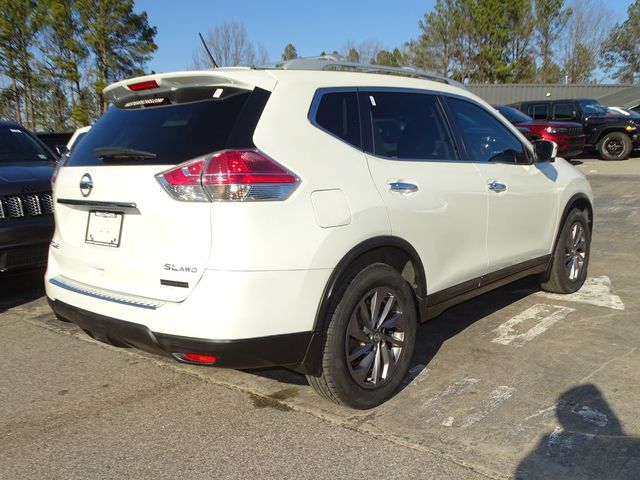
(613, 95)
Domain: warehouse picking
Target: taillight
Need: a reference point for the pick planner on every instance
(229, 175)
(54, 176)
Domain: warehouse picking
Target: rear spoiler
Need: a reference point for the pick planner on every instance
(162, 84)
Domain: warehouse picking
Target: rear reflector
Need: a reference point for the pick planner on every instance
(196, 358)
(147, 85)
(229, 175)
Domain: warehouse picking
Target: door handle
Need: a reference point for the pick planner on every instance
(403, 187)
(497, 186)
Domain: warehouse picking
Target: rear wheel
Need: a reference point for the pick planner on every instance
(370, 338)
(571, 256)
(615, 146)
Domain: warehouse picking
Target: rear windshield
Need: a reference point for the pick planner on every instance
(513, 114)
(18, 146)
(173, 133)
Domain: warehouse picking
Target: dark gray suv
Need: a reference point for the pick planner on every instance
(26, 204)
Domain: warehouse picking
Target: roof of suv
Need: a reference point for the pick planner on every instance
(334, 74)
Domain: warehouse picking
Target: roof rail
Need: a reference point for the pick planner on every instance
(337, 62)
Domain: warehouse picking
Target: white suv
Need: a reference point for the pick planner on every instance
(307, 215)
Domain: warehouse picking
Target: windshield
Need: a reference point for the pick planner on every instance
(167, 135)
(17, 145)
(592, 107)
(513, 114)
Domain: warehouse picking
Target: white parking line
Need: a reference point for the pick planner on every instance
(544, 316)
(596, 291)
(496, 398)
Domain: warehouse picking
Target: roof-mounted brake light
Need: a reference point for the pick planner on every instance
(146, 85)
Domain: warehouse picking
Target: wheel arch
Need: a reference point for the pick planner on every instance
(393, 251)
(580, 201)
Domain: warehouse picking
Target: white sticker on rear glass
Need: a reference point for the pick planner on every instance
(373, 100)
(217, 93)
(15, 130)
(42, 156)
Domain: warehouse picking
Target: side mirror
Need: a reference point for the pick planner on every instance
(545, 151)
(62, 150)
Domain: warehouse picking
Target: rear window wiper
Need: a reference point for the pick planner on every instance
(118, 153)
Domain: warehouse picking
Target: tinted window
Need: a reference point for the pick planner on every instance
(174, 133)
(592, 107)
(563, 111)
(486, 138)
(16, 145)
(513, 114)
(409, 125)
(338, 113)
(539, 112)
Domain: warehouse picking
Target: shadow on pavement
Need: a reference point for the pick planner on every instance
(589, 443)
(19, 288)
(434, 333)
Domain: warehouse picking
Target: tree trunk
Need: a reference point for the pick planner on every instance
(16, 99)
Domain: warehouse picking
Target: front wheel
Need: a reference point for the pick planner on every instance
(370, 338)
(615, 146)
(571, 256)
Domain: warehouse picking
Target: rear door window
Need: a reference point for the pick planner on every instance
(409, 126)
(539, 112)
(337, 113)
(174, 133)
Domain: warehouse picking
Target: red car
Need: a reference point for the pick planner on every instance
(569, 136)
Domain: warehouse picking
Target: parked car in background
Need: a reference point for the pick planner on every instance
(299, 217)
(26, 203)
(569, 136)
(54, 139)
(614, 137)
(617, 111)
(76, 137)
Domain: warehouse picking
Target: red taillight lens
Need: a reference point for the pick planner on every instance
(54, 176)
(244, 167)
(230, 175)
(147, 85)
(197, 358)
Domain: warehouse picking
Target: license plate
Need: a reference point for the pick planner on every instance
(104, 228)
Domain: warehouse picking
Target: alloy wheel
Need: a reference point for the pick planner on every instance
(375, 337)
(575, 251)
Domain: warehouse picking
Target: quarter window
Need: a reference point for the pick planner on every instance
(338, 114)
(486, 138)
(409, 126)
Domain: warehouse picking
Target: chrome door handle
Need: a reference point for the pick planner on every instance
(403, 187)
(497, 186)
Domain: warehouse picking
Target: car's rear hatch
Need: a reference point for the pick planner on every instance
(116, 227)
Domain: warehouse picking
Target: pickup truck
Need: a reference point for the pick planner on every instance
(613, 136)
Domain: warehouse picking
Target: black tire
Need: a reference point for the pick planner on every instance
(615, 146)
(570, 254)
(348, 382)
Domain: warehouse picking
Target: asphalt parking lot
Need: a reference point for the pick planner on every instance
(513, 384)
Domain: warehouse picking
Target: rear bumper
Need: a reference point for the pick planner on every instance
(287, 350)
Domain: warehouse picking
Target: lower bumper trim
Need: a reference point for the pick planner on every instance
(287, 350)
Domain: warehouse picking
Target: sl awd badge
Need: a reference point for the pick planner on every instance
(86, 185)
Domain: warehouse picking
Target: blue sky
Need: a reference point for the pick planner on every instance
(311, 26)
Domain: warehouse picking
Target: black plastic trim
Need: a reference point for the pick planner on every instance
(278, 350)
(95, 203)
(440, 301)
